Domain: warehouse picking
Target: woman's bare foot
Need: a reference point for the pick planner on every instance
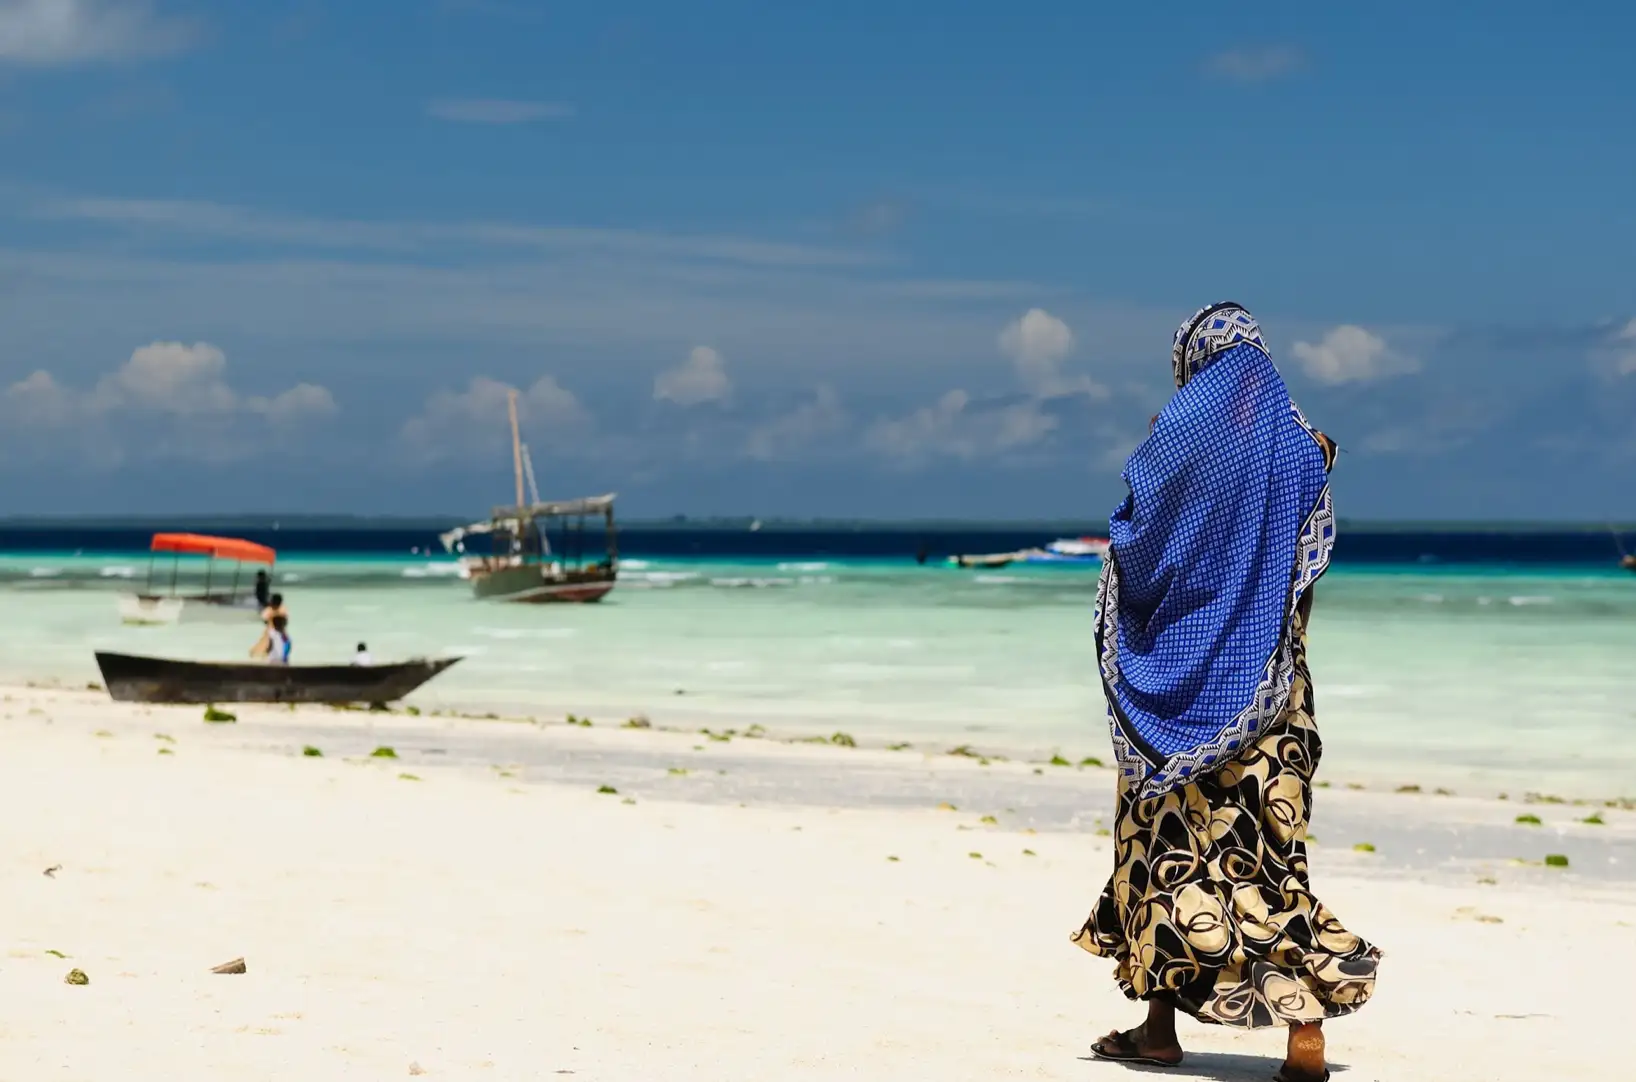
(1304, 1059)
(1154, 1041)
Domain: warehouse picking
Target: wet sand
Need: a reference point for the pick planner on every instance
(732, 911)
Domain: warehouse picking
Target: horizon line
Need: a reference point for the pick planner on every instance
(297, 520)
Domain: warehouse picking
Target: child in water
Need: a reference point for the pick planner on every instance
(275, 610)
(278, 642)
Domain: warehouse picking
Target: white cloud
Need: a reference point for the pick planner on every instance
(45, 33)
(1622, 350)
(1350, 354)
(497, 110)
(162, 379)
(957, 427)
(808, 423)
(453, 420)
(302, 400)
(699, 379)
(1037, 342)
(1037, 338)
(1256, 64)
(225, 221)
(169, 400)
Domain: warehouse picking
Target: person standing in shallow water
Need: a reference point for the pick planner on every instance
(1201, 631)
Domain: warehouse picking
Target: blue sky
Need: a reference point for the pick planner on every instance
(853, 259)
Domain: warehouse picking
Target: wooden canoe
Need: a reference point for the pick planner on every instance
(133, 679)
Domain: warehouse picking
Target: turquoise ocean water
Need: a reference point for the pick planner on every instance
(1477, 679)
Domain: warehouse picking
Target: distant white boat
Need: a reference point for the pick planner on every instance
(1065, 550)
(1076, 550)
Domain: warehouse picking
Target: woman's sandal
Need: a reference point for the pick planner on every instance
(1121, 1048)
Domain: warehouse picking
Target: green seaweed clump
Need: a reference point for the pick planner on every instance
(964, 751)
(311, 752)
(1058, 760)
(975, 856)
(1594, 819)
(383, 752)
(637, 723)
(843, 740)
(76, 976)
(408, 777)
(1527, 819)
(608, 789)
(1029, 853)
(899, 747)
(1090, 760)
(218, 717)
(989, 819)
(1555, 860)
(1364, 847)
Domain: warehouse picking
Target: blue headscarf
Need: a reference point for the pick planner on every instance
(1227, 524)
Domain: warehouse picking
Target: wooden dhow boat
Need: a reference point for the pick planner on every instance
(133, 679)
(523, 563)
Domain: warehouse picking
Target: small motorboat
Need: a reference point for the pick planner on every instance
(1067, 550)
(219, 600)
(133, 679)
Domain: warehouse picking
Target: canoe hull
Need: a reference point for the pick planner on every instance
(133, 679)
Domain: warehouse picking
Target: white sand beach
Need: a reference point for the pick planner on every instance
(479, 920)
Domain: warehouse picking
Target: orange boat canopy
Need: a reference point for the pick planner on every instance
(224, 548)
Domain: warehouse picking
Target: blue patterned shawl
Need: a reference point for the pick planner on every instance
(1227, 524)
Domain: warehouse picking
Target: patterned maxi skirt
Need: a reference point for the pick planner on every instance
(1210, 908)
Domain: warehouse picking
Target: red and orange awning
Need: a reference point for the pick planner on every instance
(221, 548)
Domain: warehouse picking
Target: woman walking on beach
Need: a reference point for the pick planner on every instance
(1201, 627)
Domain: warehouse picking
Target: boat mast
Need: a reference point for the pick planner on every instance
(516, 444)
(528, 470)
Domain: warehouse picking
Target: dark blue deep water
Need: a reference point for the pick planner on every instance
(1357, 544)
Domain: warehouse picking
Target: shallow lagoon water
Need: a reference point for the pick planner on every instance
(1478, 679)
